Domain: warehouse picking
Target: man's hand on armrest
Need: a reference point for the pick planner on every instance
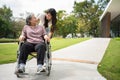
(21, 38)
(47, 38)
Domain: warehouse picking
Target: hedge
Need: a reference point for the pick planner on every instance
(6, 40)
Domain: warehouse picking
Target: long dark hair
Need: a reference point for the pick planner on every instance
(53, 13)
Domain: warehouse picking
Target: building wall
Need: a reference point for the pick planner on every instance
(115, 27)
(105, 25)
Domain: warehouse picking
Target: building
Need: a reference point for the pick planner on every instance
(110, 20)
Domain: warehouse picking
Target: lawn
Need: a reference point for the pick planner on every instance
(8, 50)
(109, 67)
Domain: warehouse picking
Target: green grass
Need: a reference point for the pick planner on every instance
(7, 40)
(109, 67)
(8, 51)
(58, 43)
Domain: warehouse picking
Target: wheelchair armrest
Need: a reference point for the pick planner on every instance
(20, 43)
(47, 43)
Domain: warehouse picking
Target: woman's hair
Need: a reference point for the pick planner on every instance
(53, 13)
(28, 18)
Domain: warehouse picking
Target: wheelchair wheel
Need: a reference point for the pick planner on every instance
(49, 69)
(48, 59)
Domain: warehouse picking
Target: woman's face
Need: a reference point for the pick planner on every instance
(33, 20)
(48, 16)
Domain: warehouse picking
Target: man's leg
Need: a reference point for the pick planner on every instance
(40, 48)
(25, 49)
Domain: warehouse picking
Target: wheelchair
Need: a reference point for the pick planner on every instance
(47, 58)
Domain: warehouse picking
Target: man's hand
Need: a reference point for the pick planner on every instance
(21, 38)
(47, 38)
(50, 34)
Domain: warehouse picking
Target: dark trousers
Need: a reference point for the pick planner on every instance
(27, 48)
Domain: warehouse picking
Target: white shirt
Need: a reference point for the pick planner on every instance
(42, 20)
(41, 17)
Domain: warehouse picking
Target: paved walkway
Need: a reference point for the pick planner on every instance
(77, 62)
(90, 50)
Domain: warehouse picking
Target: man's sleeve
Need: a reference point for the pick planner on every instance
(24, 32)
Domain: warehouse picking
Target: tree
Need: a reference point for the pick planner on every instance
(10, 27)
(81, 27)
(60, 22)
(89, 12)
(66, 24)
(71, 25)
(18, 24)
(5, 21)
(102, 4)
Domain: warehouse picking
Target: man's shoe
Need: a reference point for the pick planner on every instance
(21, 68)
(39, 68)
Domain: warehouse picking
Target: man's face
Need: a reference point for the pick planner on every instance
(33, 20)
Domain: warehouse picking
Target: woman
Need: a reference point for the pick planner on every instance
(48, 20)
(33, 34)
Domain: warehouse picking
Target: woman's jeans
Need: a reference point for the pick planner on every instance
(27, 48)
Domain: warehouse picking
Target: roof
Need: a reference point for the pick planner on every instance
(112, 7)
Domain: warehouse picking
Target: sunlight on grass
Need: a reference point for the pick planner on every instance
(8, 50)
(110, 64)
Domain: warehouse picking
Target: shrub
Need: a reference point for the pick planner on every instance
(6, 40)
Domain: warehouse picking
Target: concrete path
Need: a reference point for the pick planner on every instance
(90, 50)
(77, 62)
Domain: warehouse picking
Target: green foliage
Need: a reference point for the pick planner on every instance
(102, 4)
(60, 23)
(89, 12)
(5, 40)
(109, 67)
(5, 21)
(9, 27)
(84, 19)
(8, 51)
(17, 27)
(66, 24)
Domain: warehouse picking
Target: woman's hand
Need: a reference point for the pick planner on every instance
(21, 38)
(47, 38)
(50, 34)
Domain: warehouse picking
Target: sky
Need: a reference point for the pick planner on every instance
(37, 6)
